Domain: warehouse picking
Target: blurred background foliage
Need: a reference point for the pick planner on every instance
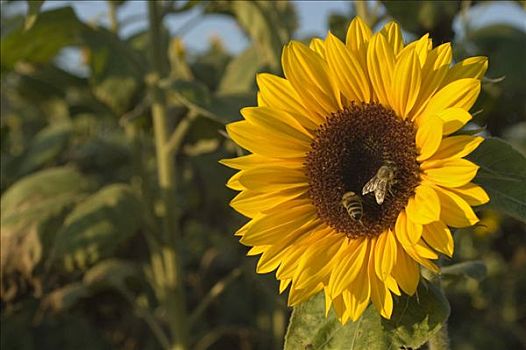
(80, 202)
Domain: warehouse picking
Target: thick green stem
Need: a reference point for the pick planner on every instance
(166, 267)
(440, 340)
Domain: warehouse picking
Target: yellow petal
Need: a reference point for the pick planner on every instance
(407, 232)
(380, 295)
(253, 160)
(421, 48)
(449, 172)
(424, 207)
(272, 178)
(347, 269)
(457, 147)
(233, 182)
(471, 193)
(433, 72)
(428, 137)
(424, 251)
(385, 256)
(274, 121)
(455, 211)
(328, 301)
(438, 236)
(271, 228)
(339, 308)
(358, 36)
(380, 64)
(393, 34)
(272, 257)
(347, 71)
(297, 296)
(250, 203)
(454, 118)
(359, 294)
(242, 162)
(257, 250)
(309, 75)
(391, 284)
(317, 45)
(290, 264)
(406, 272)
(253, 139)
(321, 262)
(405, 84)
(305, 247)
(409, 235)
(278, 93)
(241, 232)
(472, 67)
(283, 284)
(460, 93)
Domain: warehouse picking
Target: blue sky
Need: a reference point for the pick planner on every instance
(313, 17)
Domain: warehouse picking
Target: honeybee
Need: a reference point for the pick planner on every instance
(353, 204)
(381, 182)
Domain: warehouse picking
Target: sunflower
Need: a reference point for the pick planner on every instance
(344, 116)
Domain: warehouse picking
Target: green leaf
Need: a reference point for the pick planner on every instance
(38, 196)
(43, 41)
(502, 174)
(227, 106)
(98, 226)
(222, 108)
(106, 156)
(471, 269)
(179, 67)
(111, 273)
(64, 298)
(44, 148)
(504, 46)
(188, 5)
(422, 16)
(26, 208)
(116, 69)
(240, 74)
(191, 93)
(269, 24)
(33, 8)
(209, 66)
(338, 25)
(414, 320)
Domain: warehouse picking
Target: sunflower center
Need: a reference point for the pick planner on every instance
(361, 145)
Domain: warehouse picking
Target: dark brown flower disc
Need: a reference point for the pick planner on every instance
(347, 152)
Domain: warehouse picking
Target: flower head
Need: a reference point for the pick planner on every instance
(354, 178)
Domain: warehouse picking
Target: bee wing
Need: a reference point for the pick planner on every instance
(379, 192)
(370, 186)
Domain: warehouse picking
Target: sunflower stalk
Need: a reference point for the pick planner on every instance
(166, 267)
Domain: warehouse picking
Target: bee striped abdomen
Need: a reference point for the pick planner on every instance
(353, 204)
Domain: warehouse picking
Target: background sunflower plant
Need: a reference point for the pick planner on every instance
(115, 227)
